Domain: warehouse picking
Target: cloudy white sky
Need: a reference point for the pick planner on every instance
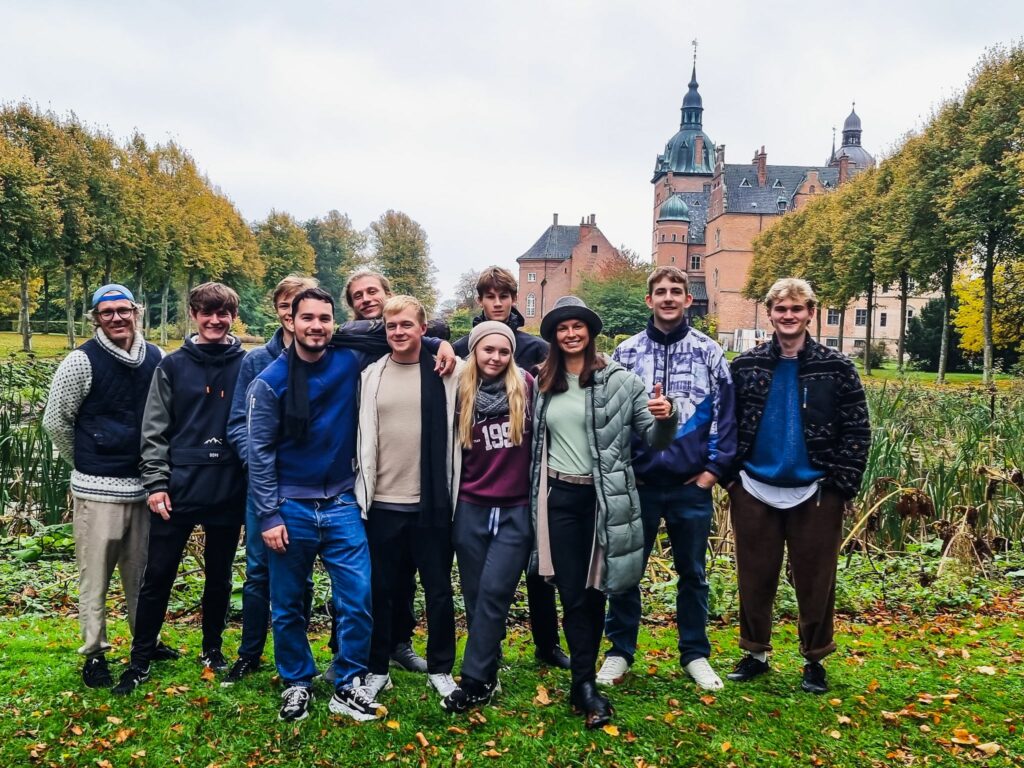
(481, 119)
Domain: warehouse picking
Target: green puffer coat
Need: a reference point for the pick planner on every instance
(616, 407)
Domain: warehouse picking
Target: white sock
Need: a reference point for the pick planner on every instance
(760, 656)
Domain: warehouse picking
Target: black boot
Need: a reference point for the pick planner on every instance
(587, 701)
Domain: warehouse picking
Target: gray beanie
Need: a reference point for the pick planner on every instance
(488, 327)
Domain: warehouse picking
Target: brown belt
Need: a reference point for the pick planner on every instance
(572, 479)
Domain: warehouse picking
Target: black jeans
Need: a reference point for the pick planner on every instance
(167, 540)
(540, 598)
(396, 539)
(572, 514)
(403, 610)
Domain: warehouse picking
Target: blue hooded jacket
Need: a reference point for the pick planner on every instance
(693, 371)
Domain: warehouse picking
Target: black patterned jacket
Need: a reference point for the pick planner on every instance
(833, 410)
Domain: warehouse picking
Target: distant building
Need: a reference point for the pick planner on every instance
(707, 213)
(553, 265)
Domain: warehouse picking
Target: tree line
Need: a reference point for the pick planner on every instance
(944, 211)
(78, 208)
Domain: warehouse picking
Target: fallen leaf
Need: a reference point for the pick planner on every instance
(77, 730)
(393, 725)
(490, 753)
(963, 736)
(989, 748)
(925, 728)
(422, 739)
(872, 686)
(670, 717)
(208, 674)
(611, 730)
(456, 729)
(707, 700)
(844, 720)
(835, 702)
(835, 734)
(542, 699)
(986, 670)
(726, 746)
(114, 720)
(123, 735)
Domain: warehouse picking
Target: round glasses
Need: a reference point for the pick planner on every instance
(123, 312)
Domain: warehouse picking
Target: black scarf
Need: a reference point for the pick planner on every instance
(372, 342)
(435, 499)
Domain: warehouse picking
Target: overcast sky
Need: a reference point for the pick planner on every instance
(481, 119)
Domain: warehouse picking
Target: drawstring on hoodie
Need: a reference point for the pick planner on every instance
(492, 523)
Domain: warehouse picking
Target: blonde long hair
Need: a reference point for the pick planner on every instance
(515, 388)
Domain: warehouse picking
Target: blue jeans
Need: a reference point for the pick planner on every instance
(256, 590)
(332, 529)
(686, 510)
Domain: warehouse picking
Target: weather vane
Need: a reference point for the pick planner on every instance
(694, 44)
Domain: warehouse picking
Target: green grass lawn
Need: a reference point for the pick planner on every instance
(943, 690)
(46, 345)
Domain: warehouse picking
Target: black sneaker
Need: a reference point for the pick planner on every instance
(747, 669)
(164, 652)
(96, 673)
(214, 659)
(405, 657)
(815, 680)
(471, 693)
(356, 702)
(295, 703)
(131, 679)
(553, 657)
(245, 665)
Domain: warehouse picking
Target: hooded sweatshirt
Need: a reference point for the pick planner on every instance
(531, 350)
(184, 433)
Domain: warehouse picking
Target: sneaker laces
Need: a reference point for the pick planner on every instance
(294, 697)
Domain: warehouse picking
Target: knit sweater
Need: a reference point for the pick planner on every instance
(70, 387)
(833, 410)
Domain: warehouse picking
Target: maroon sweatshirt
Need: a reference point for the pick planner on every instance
(496, 473)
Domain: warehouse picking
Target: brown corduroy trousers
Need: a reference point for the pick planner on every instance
(811, 532)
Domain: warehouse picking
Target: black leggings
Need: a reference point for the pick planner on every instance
(167, 540)
(572, 514)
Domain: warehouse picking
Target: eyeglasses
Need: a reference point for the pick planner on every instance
(123, 312)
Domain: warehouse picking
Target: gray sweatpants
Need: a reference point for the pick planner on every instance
(108, 534)
(492, 546)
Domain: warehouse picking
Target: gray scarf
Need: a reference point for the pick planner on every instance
(491, 398)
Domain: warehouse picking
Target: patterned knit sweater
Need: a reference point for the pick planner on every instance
(71, 385)
(832, 409)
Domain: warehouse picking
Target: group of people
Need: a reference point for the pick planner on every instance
(390, 453)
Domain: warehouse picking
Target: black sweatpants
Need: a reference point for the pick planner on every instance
(167, 540)
(493, 545)
(396, 539)
(572, 515)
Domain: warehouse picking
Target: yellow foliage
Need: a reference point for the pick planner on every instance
(1007, 330)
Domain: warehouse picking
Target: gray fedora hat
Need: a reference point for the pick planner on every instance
(569, 308)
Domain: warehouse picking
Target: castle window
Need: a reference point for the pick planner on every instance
(832, 343)
(531, 305)
(883, 318)
(861, 317)
(833, 316)
(718, 238)
(695, 262)
(663, 238)
(707, 187)
(910, 313)
(593, 249)
(673, 238)
(531, 277)
(782, 206)
(811, 188)
(716, 277)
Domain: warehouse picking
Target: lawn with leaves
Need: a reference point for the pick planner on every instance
(905, 691)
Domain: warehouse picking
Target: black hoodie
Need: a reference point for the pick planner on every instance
(184, 433)
(531, 350)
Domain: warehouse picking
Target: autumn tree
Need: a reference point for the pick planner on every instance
(401, 252)
(616, 291)
(338, 250)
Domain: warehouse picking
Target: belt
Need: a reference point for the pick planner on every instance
(571, 479)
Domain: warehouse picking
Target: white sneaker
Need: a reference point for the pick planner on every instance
(374, 684)
(703, 675)
(355, 702)
(613, 671)
(442, 682)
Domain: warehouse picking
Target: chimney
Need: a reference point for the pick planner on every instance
(556, 220)
(698, 152)
(844, 168)
(719, 158)
(761, 159)
(593, 219)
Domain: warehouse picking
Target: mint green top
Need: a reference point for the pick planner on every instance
(568, 449)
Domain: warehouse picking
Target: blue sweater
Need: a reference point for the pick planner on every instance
(255, 361)
(779, 456)
(323, 465)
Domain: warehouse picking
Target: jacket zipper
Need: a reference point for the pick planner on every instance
(600, 472)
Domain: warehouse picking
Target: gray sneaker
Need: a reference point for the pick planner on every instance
(405, 657)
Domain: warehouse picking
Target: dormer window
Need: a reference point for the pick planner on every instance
(782, 206)
(777, 184)
(811, 189)
(744, 183)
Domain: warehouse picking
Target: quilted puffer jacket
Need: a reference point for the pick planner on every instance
(616, 407)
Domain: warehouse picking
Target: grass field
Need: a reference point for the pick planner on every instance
(905, 691)
(45, 345)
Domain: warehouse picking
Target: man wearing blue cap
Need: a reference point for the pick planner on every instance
(94, 416)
